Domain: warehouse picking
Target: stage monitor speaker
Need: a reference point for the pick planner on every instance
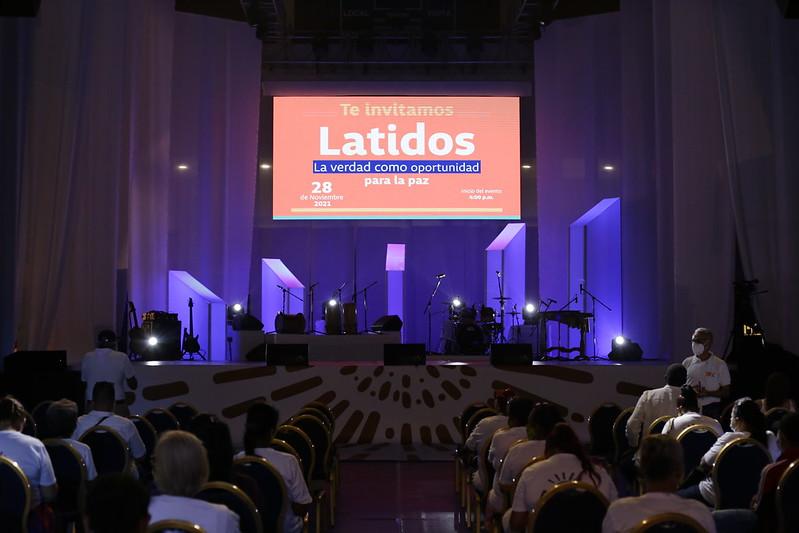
(511, 354)
(387, 323)
(789, 8)
(29, 362)
(404, 354)
(167, 332)
(287, 354)
(630, 351)
(285, 323)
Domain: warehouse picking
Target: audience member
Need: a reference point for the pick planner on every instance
(660, 470)
(540, 422)
(747, 420)
(487, 426)
(180, 470)
(102, 415)
(778, 392)
(688, 415)
(259, 429)
(656, 403)
(116, 503)
(566, 459)
(764, 501)
(707, 373)
(62, 419)
(107, 364)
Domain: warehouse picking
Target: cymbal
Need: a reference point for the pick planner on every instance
(501, 298)
(513, 313)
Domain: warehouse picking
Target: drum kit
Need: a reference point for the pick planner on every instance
(470, 330)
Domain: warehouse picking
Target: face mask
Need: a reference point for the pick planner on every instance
(697, 348)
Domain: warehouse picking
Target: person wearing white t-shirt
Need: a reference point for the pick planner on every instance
(102, 415)
(180, 470)
(688, 408)
(566, 460)
(656, 403)
(259, 429)
(660, 469)
(107, 364)
(28, 452)
(62, 419)
(707, 373)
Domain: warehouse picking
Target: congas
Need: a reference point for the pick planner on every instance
(285, 323)
(332, 319)
(350, 318)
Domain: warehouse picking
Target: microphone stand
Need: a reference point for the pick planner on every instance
(594, 301)
(365, 307)
(501, 284)
(286, 294)
(311, 324)
(428, 310)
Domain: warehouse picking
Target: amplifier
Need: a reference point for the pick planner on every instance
(160, 316)
(511, 354)
(287, 354)
(168, 336)
(404, 354)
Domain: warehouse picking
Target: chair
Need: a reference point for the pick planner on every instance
(509, 491)
(237, 501)
(620, 442)
(736, 473)
(695, 440)
(323, 478)
(600, 428)
(174, 525)
(148, 434)
(30, 428)
(283, 446)
(298, 440)
(39, 415)
(325, 410)
(271, 484)
(183, 412)
(463, 466)
(475, 499)
(15, 502)
(669, 523)
(162, 420)
(109, 450)
(316, 413)
(657, 425)
(774, 417)
(570, 506)
(466, 415)
(787, 496)
(70, 472)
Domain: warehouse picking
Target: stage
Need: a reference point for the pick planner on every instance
(376, 405)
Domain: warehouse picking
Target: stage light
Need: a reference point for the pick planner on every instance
(623, 349)
(265, 166)
(237, 308)
(456, 302)
(527, 167)
(332, 302)
(529, 313)
(183, 166)
(608, 168)
(152, 341)
(530, 308)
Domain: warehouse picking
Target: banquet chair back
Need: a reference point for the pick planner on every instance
(620, 442)
(787, 496)
(321, 439)
(183, 413)
(298, 440)
(162, 420)
(70, 473)
(15, 497)
(669, 523)
(171, 526)
(109, 450)
(271, 485)
(570, 506)
(600, 429)
(39, 415)
(736, 473)
(237, 501)
(657, 425)
(695, 441)
(774, 417)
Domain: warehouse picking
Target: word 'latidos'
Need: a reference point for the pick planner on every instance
(376, 142)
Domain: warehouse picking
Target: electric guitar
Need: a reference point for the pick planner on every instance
(138, 341)
(191, 342)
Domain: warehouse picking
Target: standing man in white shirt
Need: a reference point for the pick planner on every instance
(707, 373)
(656, 403)
(107, 364)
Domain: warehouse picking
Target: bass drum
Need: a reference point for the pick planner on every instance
(470, 340)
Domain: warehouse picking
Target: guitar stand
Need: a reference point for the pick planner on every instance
(191, 356)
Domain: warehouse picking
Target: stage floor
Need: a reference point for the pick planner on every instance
(376, 404)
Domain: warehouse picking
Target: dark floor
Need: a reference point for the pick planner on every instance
(407, 497)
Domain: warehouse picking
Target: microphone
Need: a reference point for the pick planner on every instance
(581, 288)
(440, 276)
(552, 301)
(499, 274)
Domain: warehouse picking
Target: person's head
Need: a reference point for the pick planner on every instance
(519, 411)
(181, 464)
(502, 398)
(563, 439)
(106, 339)
(778, 389)
(215, 436)
(789, 432)
(62, 418)
(701, 341)
(542, 419)
(103, 396)
(676, 374)
(747, 416)
(660, 463)
(116, 503)
(12, 414)
(260, 426)
(688, 402)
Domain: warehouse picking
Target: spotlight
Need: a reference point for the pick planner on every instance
(183, 166)
(623, 349)
(265, 166)
(529, 313)
(237, 308)
(332, 302)
(152, 341)
(608, 168)
(456, 302)
(527, 167)
(530, 308)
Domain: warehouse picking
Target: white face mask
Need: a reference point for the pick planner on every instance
(697, 348)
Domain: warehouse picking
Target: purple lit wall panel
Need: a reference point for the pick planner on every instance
(273, 273)
(395, 277)
(209, 312)
(506, 254)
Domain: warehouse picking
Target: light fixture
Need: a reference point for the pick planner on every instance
(528, 314)
(332, 302)
(608, 168)
(456, 302)
(237, 308)
(265, 166)
(183, 166)
(619, 340)
(527, 167)
(623, 349)
(530, 308)
(152, 341)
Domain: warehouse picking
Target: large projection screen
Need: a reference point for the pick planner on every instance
(360, 157)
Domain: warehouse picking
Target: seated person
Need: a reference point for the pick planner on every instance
(747, 420)
(116, 503)
(259, 429)
(566, 460)
(103, 415)
(764, 502)
(778, 391)
(28, 452)
(660, 469)
(180, 469)
(656, 403)
(542, 419)
(688, 415)
(62, 419)
(486, 428)
(518, 413)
